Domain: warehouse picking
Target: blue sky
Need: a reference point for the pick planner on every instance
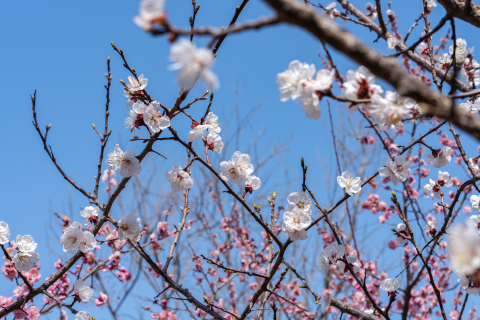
(59, 48)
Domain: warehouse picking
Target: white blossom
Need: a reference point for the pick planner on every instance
(391, 285)
(88, 242)
(192, 63)
(347, 182)
(444, 61)
(289, 80)
(433, 188)
(83, 293)
(90, 214)
(129, 227)
(131, 121)
(352, 262)
(475, 220)
(470, 70)
(360, 85)
(392, 42)
(4, 232)
(179, 179)
(308, 92)
(464, 248)
(212, 121)
(71, 238)
(430, 5)
(431, 228)
(439, 157)
(214, 142)
(134, 87)
(473, 164)
(82, 315)
(389, 111)
(332, 254)
(461, 52)
(371, 10)
(251, 183)
(128, 164)
(403, 234)
(422, 48)
(475, 202)
(236, 169)
(198, 131)
(331, 11)
(26, 243)
(398, 169)
(299, 200)
(151, 13)
(295, 222)
(154, 118)
(24, 261)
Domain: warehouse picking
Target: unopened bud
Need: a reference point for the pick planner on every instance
(110, 132)
(49, 126)
(211, 95)
(198, 7)
(93, 126)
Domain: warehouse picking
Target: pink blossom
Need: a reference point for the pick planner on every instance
(467, 209)
(101, 300)
(392, 244)
(33, 313)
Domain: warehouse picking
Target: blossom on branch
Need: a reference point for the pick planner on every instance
(198, 131)
(347, 182)
(439, 157)
(83, 293)
(212, 121)
(432, 228)
(237, 169)
(83, 315)
(179, 179)
(90, 214)
(134, 88)
(402, 234)
(434, 188)
(464, 248)
(128, 164)
(299, 200)
(151, 13)
(26, 243)
(352, 262)
(75, 238)
(214, 142)
(24, 261)
(4, 232)
(295, 222)
(154, 118)
(391, 286)
(360, 85)
(251, 183)
(398, 169)
(475, 200)
(192, 63)
(129, 227)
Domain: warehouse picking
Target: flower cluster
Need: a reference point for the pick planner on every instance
(239, 170)
(434, 188)
(74, 238)
(125, 162)
(297, 217)
(300, 81)
(334, 254)
(26, 258)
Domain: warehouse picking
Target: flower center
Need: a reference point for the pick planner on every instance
(300, 205)
(124, 227)
(156, 117)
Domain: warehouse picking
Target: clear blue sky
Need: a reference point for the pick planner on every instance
(59, 48)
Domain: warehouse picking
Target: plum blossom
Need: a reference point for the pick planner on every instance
(237, 169)
(299, 200)
(26, 243)
(134, 88)
(90, 214)
(422, 48)
(347, 182)
(330, 255)
(371, 10)
(461, 52)
(392, 42)
(74, 238)
(192, 63)
(331, 11)
(391, 286)
(295, 222)
(475, 200)
(464, 248)
(398, 169)
(360, 85)
(352, 262)
(439, 157)
(475, 220)
(101, 300)
(389, 111)
(4, 232)
(251, 183)
(151, 13)
(198, 131)
(129, 227)
(444, 61)
(430, 5)
(433, 188)
(82, 315)
(212, 120)
(24, 261)
(154, 118)
(179, 179)
(83, 293)
(289, 80)
(299, 82)
(402, 234)
(128, 164)
(214, 142)
(432, 228)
